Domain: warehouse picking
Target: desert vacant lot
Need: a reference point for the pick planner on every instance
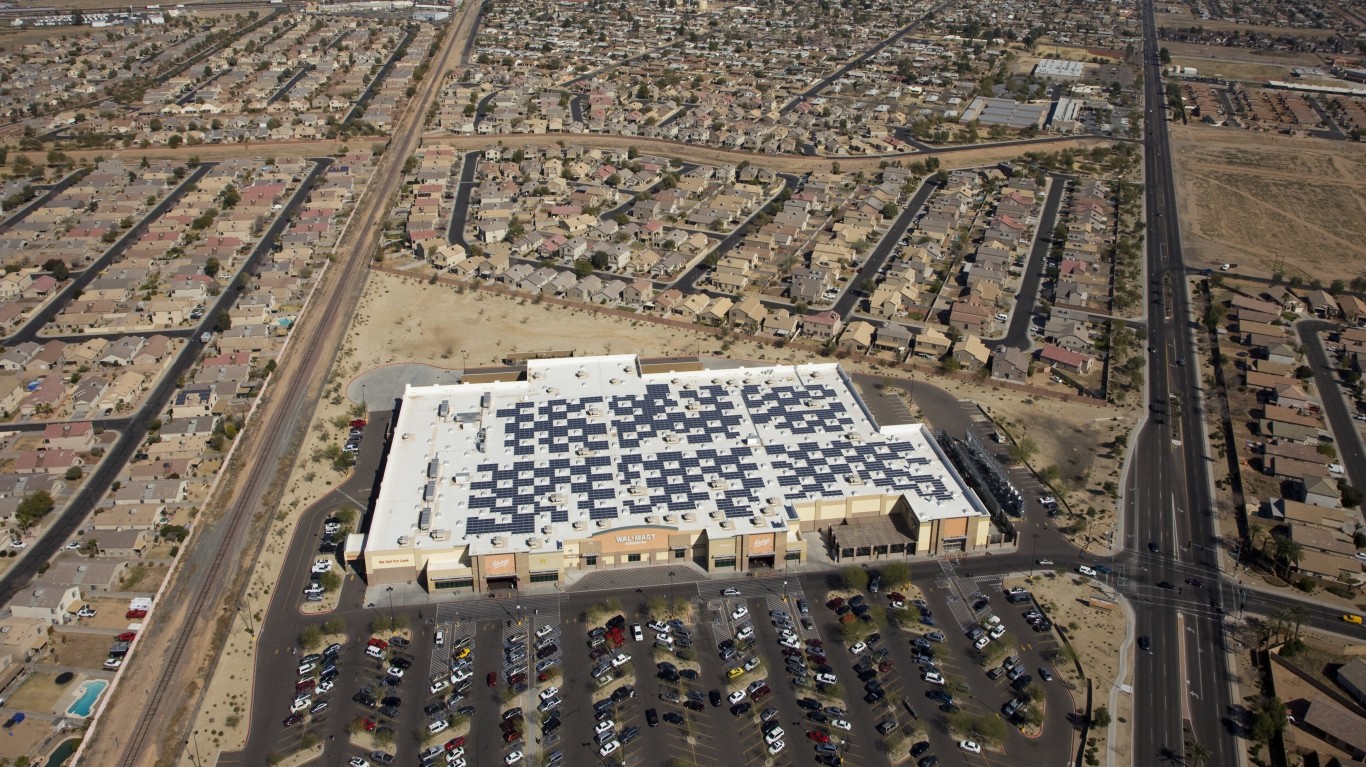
(1251, 199)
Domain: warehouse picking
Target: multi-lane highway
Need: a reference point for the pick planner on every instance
(1168, 514)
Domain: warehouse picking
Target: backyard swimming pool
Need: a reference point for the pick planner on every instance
(90, 692)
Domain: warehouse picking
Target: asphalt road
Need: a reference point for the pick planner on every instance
(1017, 336)
(853, 293)
(1168, 510)
(1345, 432)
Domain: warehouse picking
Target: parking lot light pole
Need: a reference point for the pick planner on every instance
(784, 592)
(390, 590)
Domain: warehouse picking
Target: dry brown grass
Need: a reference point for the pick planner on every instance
(1258, 200)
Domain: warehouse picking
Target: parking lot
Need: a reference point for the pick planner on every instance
(766, 664)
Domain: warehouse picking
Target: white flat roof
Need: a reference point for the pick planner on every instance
(586, 445)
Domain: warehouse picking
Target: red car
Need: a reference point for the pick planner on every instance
(293, 719)
(359, 423)
(512, 736)
(818, 736)
(305, 685)
(897, 596)
(128, 636)
(886, 665)
(814, 643)
(493, 679)
(377, 642)
(368, 724)
(455, 743)
(835, 603)
(132, 614)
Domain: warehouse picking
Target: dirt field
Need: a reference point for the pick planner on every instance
(39, 693)
(1252, 199)
(1246, 71)
(80, 650)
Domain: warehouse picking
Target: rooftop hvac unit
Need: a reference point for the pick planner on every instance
(498, 540)
(725, 524)
(603, 522)
(486, 401)
(533, 543)
(716, 515)
(433, 467)
(444, 409)
(579, 525)
(669, 519)
(429, 492)
(403, 540)
(688, 516)
(440, 535)
(424, 518)
(651, 519)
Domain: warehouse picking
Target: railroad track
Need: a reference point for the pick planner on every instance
(321, 329)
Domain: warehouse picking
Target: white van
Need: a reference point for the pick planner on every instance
(1087, 571)
(440, 638)
(374, 652)
(437, 725)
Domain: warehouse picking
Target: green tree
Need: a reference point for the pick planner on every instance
(330, 580)
(73, 474)
(895, 575)
(58, 268)
(1100, 717)
(311, 637)
(1196, 754)
(177, 533)
(855, 578)
(212, 266)
(33, 508)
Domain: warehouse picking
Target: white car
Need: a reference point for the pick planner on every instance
(636, 633)
(792, 643)
(86, 612)
(933, 677)
(776, 746)
(983, 642)
(664, 639)
(775, 734)
(608, 748)
(513, 758)
(659, 626)
(751, 664)
(300, 703)
(825, 678)
(460, 675)
(549, 692)
(1335, 469)
(739, 613)
(970, 746)
(620, 660)
(842, 724)
(736, 697)
(605, 725)
(438, 685)
(396, 671)
(326, 685)
(544, 632)
(745, 633)
(857, 648)
(356, 761)
(997, 632)
(1044, 562)
(322, 566)
(730, 592)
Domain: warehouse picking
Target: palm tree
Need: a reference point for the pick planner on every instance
(1290, 552)
(1298, 614)
(1254, 530)
(1196, 753)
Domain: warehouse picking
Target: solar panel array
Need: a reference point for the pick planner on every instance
(684, 448)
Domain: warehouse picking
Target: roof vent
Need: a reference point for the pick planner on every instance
(603, 522)
(580, 524)
(669, 519)
(651, 520)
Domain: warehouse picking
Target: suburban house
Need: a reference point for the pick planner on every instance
(822, 326)
(1010, 364)
(46, 603)
(123, 544)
